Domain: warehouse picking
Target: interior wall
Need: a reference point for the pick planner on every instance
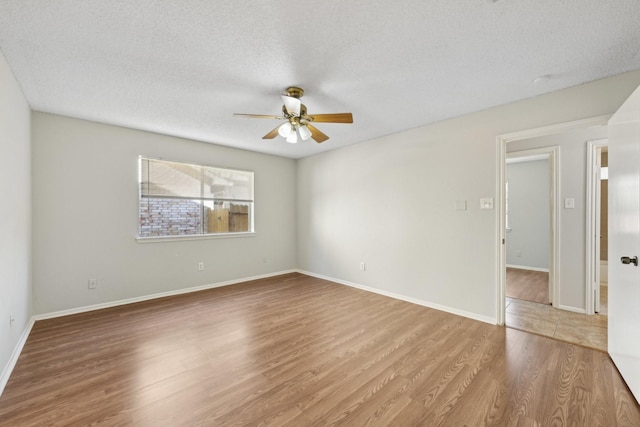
(391, 202)
(528, 233)
(85, 216)
(15, 215)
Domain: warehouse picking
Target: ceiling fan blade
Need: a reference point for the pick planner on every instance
(272, 134)
(332, 118)
(318, 136)
(258, 116)
(292, 105)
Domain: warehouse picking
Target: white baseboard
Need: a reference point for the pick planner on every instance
(574, 309)
(526, 267)
(8, 369)
(428, 304)
(93, 307)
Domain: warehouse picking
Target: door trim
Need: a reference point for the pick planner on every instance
(591, 263)
(502, 141)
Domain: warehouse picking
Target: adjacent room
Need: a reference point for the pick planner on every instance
(328, 213)
(538, 287)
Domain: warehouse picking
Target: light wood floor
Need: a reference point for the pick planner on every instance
(295, 350)
(528, 285)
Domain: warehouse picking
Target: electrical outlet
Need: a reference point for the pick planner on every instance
(201, 266)
(569, 203)
(363, 266)
(486, 203)
(12, 319)
(519, 254)
(93, 283)
(264, 259)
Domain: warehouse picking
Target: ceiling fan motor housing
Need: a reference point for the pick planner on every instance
(303, 112)
(295, 92)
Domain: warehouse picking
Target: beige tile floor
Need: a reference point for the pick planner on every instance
(604, 299)
(542, 319)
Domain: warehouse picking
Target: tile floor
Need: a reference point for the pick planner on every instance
(542, 319)
(604, 299)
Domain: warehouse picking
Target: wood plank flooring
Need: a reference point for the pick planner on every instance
(297, 351)
(528, 285)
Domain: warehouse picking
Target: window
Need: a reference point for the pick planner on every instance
(179, 199)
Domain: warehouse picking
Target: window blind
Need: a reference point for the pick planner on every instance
(166, 179)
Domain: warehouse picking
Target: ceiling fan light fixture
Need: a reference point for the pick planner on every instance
(305, 133)
(285, 129)
(292, 138)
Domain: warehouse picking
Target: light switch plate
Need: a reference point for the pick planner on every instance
(486, 203)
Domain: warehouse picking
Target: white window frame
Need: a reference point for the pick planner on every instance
(203, 198)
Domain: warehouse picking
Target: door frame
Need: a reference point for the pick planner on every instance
(592, 263)
(501, 255)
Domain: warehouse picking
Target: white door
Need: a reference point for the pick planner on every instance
(624, 241)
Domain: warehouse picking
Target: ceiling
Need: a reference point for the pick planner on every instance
(184, 67)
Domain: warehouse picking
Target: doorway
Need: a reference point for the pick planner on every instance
(554, 262)
(597, 227)
(566, 318)
(531, 243)
(528, 211)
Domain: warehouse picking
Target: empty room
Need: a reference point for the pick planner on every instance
(296, 214)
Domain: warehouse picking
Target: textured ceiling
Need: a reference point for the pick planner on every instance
(184, 67)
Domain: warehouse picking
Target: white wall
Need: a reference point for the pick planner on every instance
(15, 214)
(528, 234)
(85, 216)
(573, 171)
(390, 202)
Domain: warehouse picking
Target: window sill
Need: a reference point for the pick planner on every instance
(193, 237)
